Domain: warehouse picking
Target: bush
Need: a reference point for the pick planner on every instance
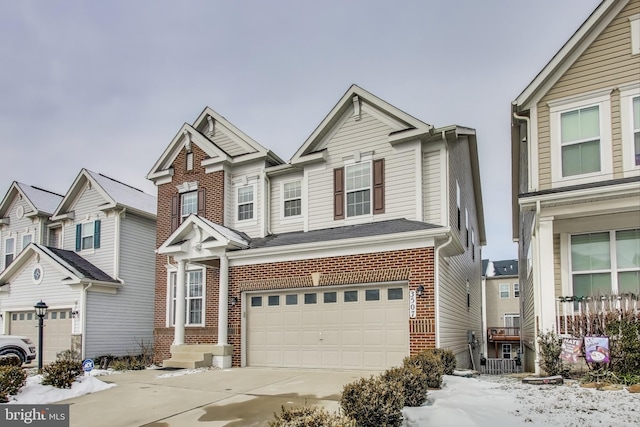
(414, 383)
(625, 345)
(310, 416)
(10, 360)
(12, 379)
(448, 359)
(430, 364)
(373, 402)
(550, 347)
(61, 373)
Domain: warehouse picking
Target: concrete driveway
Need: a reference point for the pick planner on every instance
(229, 397)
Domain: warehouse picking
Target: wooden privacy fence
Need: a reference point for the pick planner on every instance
(501, 366)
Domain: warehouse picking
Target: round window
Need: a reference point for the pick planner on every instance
(37, 274)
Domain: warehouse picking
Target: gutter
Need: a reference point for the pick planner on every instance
(83, 318)
(436, 286)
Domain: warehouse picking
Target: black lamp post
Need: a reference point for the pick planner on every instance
(41, 311)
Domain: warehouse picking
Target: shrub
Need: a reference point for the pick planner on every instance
(373, 402)
(69, 355)
(10, 360)
(12, 379)
(61, 373)
(550, 347)
(625, 345)
(430, 364)
(310, 416)
(448, 359)
(414, 383)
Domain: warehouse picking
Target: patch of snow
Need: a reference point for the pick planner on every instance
(182, 372)
(36, 393)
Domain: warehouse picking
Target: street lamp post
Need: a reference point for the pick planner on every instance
(41, 311)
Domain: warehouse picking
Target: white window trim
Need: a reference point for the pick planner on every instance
(510, 316)
(93, 236)
(634, 23)
(25, 235)
(293, 218)
(171, 270)
(182, 195)
(516, 286)
(602, 100)
(627, 93)
(503, 347)
(254, 219)
(355, 219)
(500, 290)
(4, 249)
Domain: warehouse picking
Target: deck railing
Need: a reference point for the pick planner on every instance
(583, 316)
(503, 333)
(501, 366)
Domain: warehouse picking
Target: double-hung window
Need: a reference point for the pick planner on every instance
(88, 235)
(516, 290)
(358, 189)
(504, 290)
(194, 297)
(9, 250)
(630, 127)
(188, 204)
(605, 263)
(292, 196)
(635, 105)
(245, 202)
(26, 239)
(581, 138)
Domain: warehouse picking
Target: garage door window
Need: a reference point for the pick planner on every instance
(394, 293)
(310, 298)
(330, 297)
(291, 299)
(350, 296)
(372, 295)
(274, 300)
(256, 301)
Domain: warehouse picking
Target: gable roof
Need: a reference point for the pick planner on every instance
(115, 194)
(76, 268)
(599, 19)
(352, 100)
(507, 267)
(239, 146)
(42, 202)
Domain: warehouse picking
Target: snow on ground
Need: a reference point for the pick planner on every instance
(505, 401)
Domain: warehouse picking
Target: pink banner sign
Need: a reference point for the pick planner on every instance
(596, 349)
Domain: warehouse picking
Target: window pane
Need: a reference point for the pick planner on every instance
(350, 296)
(54, 315)
(292, 207)
(8, 245)
(581, 158)
(292, 299)
(358, 176)
(194, 284)
(292, 190)
(274, 300)
(570, 126)
(394, 294)
(636, 113)
(628, 248)
(310, 298)
(637, 146)
(358, 203)
(30, 316)
(330, 297)
(63, 315)
(629, 282)
(504, 290)
(245, 211)
(195, 311)
(26, 240)
(590, 252)
(189, 203)
(372, 295)
(256, 301)
(245, 194)
(589, 123)
(591, 284)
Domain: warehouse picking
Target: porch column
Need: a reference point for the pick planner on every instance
(178, 329)
(546, 313)
(223, 301)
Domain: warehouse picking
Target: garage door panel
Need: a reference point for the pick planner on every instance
(56, 333)
(350, 333)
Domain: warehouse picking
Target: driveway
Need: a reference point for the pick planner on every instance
(229, 397)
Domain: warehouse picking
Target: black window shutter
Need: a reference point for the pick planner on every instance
(201, 202)
(96, 234)
(338, 193)
(78, 237)
(175, 211)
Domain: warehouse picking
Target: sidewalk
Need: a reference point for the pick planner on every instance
(230, 397)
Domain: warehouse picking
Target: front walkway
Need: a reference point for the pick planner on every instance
(230, 397)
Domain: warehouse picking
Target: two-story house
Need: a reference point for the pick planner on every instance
(362, 249)
(91, 260)
(501, 308)
(576, 172)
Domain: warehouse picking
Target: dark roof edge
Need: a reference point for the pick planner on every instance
(581, 187)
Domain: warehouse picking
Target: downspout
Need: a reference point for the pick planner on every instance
(436, 286)
(116, 246)
(527, 120)
(83, 318)
(266, 211)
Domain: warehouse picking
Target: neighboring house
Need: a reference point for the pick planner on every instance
(92, 264)
(501, 308)
(362, 249)
(576, 172)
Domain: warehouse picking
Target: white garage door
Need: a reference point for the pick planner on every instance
(364, 327)
(56, 335)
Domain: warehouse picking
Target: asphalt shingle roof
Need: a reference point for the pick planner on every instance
(83, 266)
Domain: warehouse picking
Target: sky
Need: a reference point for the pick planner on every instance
(107, 85)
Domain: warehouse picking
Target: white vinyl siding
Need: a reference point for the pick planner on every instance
(431, 182)
(243, 177)
(17, 229)
(630, 129)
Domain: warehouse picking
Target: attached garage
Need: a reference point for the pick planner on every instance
(351, 327)
(56, 335)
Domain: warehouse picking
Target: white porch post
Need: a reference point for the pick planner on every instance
(547, 305)
(178, 329)
(223, 301)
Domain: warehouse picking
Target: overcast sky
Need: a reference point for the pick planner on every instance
(106, 85)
